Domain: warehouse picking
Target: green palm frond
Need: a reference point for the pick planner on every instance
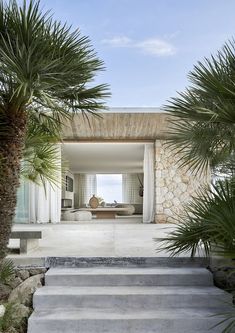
(228, 318)
(208, 220)
(203, 117)
(201, 144)
(7, 270)
(42, 163)
(46, 64)
(227, 168)
(188, 237)
(211, 96)
(41, 158)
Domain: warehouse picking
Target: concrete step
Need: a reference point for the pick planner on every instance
(185, 320)
(84, 262)
(128, 277)
(127, 297)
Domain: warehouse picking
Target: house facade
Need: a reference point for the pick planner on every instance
(130, 142)
(173, 185)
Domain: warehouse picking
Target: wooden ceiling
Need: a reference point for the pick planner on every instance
(117, 126)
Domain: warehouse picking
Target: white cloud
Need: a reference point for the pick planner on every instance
(119, 41)
(152, 46)
(156, 47)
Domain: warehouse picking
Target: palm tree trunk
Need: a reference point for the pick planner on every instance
(11, 150)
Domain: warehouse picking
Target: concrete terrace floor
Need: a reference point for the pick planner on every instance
(102, 238)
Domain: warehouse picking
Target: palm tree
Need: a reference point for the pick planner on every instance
(203, 135)
(46, 71)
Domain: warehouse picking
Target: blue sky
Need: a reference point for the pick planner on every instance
(148, 46)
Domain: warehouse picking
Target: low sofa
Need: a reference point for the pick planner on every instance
(75, 215)
(132, 208)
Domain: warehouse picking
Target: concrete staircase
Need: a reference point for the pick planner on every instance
(127, 300)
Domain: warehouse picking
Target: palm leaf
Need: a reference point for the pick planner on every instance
(188, 139)
(46, 63)
(206, 223)
(203, 117)
(7, 270)
(229, 318)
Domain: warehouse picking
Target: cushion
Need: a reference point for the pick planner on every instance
(82, 215)
(130, 209)
(68, 216)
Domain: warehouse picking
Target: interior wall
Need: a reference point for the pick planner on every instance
(66, 194)
(76, 196)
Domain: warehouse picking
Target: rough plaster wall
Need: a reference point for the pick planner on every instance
(174, 185)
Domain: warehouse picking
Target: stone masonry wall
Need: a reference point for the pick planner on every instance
(174, 185)
(16, 297)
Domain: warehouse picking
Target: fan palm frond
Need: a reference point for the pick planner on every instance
(203, 117)
(7, 270)
(201, 145)
(45, 63)
(207, 223)
(211, 96)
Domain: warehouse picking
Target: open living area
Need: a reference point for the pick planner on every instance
(110, 172)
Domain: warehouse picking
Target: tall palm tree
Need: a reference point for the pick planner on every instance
(203, 133)
(46, 71)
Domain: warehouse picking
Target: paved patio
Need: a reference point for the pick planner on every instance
(108, 238)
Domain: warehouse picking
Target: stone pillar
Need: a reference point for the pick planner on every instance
(174, 185)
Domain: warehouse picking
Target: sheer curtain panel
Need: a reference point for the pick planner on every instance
(87, 186)
(148, 200)
(45, 202)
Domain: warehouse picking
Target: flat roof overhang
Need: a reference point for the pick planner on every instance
(123, 126)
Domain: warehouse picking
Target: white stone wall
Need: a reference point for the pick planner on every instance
(174, 185)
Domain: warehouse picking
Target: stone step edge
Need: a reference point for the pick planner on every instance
(94, 314)
(128, 290)
(125, 262)
(127, 271)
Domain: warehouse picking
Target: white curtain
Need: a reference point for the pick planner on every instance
(131, 187)
(45, 202)
(22, 208)
(87, 186)
(148, 200)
